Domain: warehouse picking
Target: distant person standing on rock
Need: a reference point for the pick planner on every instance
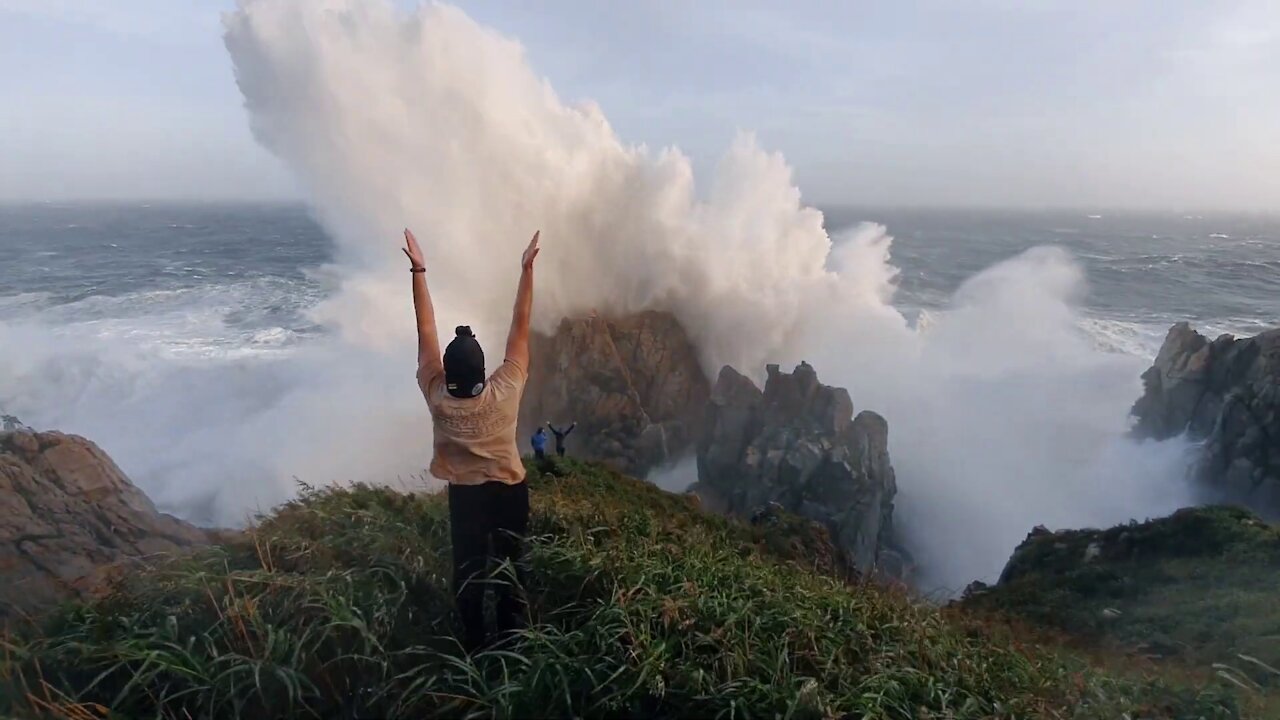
(474, 421)
(539, 443)
(561, 435)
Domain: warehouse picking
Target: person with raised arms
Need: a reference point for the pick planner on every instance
(474, 423)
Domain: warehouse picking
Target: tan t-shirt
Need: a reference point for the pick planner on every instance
(475, 438)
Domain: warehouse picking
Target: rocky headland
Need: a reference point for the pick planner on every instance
(1224, 393)
(68, 516)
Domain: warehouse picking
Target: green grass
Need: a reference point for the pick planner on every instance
(1200, 589)
(337, 605)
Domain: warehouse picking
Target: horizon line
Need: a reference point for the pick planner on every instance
(824, 207)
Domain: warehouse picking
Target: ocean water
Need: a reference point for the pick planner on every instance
(212, 281)
(1145, 271)
(236, 280)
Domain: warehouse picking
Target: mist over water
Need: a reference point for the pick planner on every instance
(1003, 412)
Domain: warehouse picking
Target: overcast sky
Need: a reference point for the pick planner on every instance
(1140, 103)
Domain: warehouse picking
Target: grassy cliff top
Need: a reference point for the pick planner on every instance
(1200, 588)
(338, 605)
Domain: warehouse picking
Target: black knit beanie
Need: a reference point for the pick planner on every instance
(464, 365)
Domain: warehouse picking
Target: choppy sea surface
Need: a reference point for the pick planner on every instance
(218, 280)
(156, 328)
(1145, 271)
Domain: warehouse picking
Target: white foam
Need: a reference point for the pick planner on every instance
(999, 411)
(23, 303)
(1003, 413)
(184, 321)
(1141, 340)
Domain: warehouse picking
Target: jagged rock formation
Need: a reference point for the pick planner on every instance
(66, 513)
(633, 385)
(637, 391)
(797, 444)
(1227, 393)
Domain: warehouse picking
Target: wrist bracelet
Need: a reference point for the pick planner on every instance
(415, 270)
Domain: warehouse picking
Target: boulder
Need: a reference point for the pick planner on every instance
(1225, 392)
(634, 386)
(797, 445)
(67, 513)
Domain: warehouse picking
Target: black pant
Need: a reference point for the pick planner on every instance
(560, 450)
(479, 515)
(540, 454)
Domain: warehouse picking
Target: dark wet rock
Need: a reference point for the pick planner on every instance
(1226, 393)
(797, 446)
(634, 386)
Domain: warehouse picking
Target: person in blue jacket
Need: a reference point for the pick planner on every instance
(539, 442)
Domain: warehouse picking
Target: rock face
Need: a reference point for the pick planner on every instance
(1227, 393)
(798, 445)
(636, 389)
(633, 385)
(66, 512)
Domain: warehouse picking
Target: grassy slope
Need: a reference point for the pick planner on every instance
(1200, 588)
(644, 606)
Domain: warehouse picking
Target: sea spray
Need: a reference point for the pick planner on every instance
(1002, 413)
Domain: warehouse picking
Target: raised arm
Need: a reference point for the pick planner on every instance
(518, 337)
(429, 362)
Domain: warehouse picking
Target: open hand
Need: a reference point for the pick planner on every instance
(413, 252)
(531, 252)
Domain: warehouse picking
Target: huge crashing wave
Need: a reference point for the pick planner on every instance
(1002, 413)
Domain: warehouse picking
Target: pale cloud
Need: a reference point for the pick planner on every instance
(1053, 102)
(136, 18)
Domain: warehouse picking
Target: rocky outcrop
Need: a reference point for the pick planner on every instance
(1199, 532)
(797, 444)
(633, 385)
(1196, 585)
(1226, 393)
(636, 389)
(66, 513)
